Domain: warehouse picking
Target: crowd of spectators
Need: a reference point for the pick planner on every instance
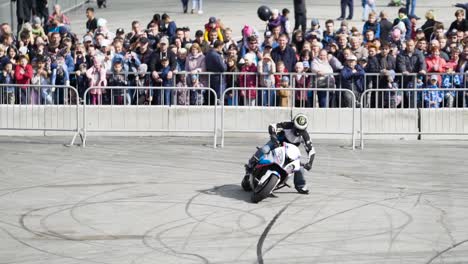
(389, 51)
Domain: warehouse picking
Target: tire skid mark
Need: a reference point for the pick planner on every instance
(439, 254)
(344, 212)
(268, 228)
(49, 252)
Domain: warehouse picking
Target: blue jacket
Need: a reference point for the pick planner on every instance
(433, 96)
(350, 80)
(375, 27)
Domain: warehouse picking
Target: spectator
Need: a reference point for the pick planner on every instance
(144, 96)
(321, 66)
(215, 63)
(181, 96)
(283, 93)
(60, 76)
(195, 63)
(275, 21)
(266, 69)
(300, 15)
(356, 47)
(403, 22)
(410, 61)
(42, 10)
(385, 27)
(249, 96)
(232, 80)
(270, 42)
(212, 25)
(428, 26)
(185, 6)
(168, 27)
(284, 53)
(197, 5)
(411, 6)
(302, 97)
(432, 99)
(350, 5)
(460, 23)
(352, 78)
(97, 79)
(165, 79)
(368, 5)
(81, 81)
(373, 25)
(329, 35)
(285, 23)
(155, 64)
(7, 76)
(23, 12)
(37, 30)
(62, 19)
(435, 64)
(450, 81)
(118, 78)
(197, 96)
(145, 54)
(91, 23)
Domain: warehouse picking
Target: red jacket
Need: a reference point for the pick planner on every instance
(249, 81)
(23, 75)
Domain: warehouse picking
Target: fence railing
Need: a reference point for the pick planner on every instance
(437, 112)
(246, 123)
(37, 111)
(142, 117)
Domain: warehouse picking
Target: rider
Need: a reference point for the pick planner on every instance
(293, 132)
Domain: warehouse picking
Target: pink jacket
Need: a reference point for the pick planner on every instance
(97, 77)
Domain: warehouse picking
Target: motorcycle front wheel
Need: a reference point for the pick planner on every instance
(263, 191)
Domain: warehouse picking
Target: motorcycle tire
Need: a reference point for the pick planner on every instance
(262, 192)
(246, 184)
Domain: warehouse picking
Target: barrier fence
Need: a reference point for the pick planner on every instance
(36, 111)
(437, 112)
(383, 111)
(142, 117)
(255, 119)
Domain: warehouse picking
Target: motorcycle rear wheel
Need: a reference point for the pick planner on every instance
(263, 191)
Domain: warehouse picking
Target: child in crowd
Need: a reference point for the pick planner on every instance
(81, 81)
(432, 99)
(41, 78)
(371, 24)
(450, 80)
(165, 80)
(180, 96)
(197, 97)
(7, 76)
(60, 76)
(284, 94)
(249, 80)
(142, 79)
(118, 78)
(97, 78)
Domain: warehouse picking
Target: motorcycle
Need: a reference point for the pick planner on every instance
(273, 171)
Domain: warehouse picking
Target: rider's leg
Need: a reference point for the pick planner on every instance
(256, 157)
(299, 182)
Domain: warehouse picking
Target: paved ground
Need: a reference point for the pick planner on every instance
(176, 200)
(237, 13)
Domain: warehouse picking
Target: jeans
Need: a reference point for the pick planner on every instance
(299, 180)
(410, 6)
(365, 15)
(268, 98)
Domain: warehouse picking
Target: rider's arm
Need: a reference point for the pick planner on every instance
(274, 129)
(309, 148)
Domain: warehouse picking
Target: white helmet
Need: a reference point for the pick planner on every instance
(300, 122)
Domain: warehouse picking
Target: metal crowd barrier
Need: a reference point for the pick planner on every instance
(39, 108)
(437, 112)
(260, 123)
(134, 113)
